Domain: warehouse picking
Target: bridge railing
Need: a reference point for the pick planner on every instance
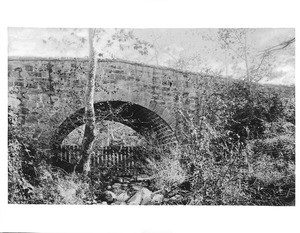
(121, 161)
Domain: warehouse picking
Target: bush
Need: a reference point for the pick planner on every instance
(61, 188)
(279, 147)
(19, 188)
(166, 171)
(272, 181)
(31, 180)
(289, 109)
(249, 107)
(246, 154)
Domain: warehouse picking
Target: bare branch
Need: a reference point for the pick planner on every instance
(280, 46)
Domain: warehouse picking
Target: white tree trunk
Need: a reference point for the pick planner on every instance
(246, 59)
(90, 122)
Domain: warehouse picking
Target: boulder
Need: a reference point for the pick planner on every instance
(123, 197)
(117, 188)
(136, 187)
(157, 199)
(109, 196)
(136, 199)
(141, 197)
(146, 197)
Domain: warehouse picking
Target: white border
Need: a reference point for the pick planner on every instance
(139, 14)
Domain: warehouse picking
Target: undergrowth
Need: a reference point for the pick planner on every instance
(239, 150)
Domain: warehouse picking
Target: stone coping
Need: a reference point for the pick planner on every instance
(85, 59)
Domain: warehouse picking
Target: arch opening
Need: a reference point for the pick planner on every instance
(109, 133)
(145, 122)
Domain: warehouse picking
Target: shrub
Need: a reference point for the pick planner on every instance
(279, 147)
(272, 181)
(60, 188)
(19, 188)
(246, 158)
(249, 106)
(166, 171)
(289, 109)
(31, 180)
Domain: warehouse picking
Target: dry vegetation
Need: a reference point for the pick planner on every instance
(241, 151)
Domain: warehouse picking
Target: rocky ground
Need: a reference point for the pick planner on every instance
(138, 191)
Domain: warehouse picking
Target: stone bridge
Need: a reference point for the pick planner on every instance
(50, 96)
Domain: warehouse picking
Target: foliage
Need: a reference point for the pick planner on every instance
(32, 180)
(166, 170)
(20, 163)
(246, 158)
(57, 187)
(234, 42)
(250, 108)
(240, 150)
(289, 109)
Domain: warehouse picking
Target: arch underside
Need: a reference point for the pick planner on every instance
(144, 121)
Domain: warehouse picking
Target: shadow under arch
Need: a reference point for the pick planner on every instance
(142, 120)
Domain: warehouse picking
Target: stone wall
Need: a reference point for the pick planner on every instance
(50, 95)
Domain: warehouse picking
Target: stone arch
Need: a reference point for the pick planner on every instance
(141, 119)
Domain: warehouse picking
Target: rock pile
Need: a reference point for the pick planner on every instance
(138, 191)
(129, 192)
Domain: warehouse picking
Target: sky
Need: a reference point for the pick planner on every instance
(195, 50)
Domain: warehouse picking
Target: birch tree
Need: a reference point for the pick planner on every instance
(122, 38)
(234, 42)
(90, 122)
(101, 43)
